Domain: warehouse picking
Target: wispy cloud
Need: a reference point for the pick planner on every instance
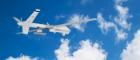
(105, 26)
(79, 21)
(121, 34)
(132, 51)
(86, 51)
(23, 57)
(123, 14)
(120, 22)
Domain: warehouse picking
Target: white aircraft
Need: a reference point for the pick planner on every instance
(62, 28)
(26, 25)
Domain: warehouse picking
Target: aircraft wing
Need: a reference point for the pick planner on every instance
(25, 30)
(33, 16)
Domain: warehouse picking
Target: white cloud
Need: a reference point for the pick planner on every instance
(122, 10)
(23, 57)
(123, 14)
(120, 23)
(121, 35)
(78, 21)
(132, 51)
(105, 26)
(87, 51)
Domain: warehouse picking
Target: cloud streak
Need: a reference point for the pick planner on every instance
(79, 21)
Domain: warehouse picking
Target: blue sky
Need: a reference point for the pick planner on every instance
(115, 30)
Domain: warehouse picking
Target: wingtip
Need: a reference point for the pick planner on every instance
(37, 10)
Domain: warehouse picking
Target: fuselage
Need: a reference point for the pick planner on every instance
(37, 25)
